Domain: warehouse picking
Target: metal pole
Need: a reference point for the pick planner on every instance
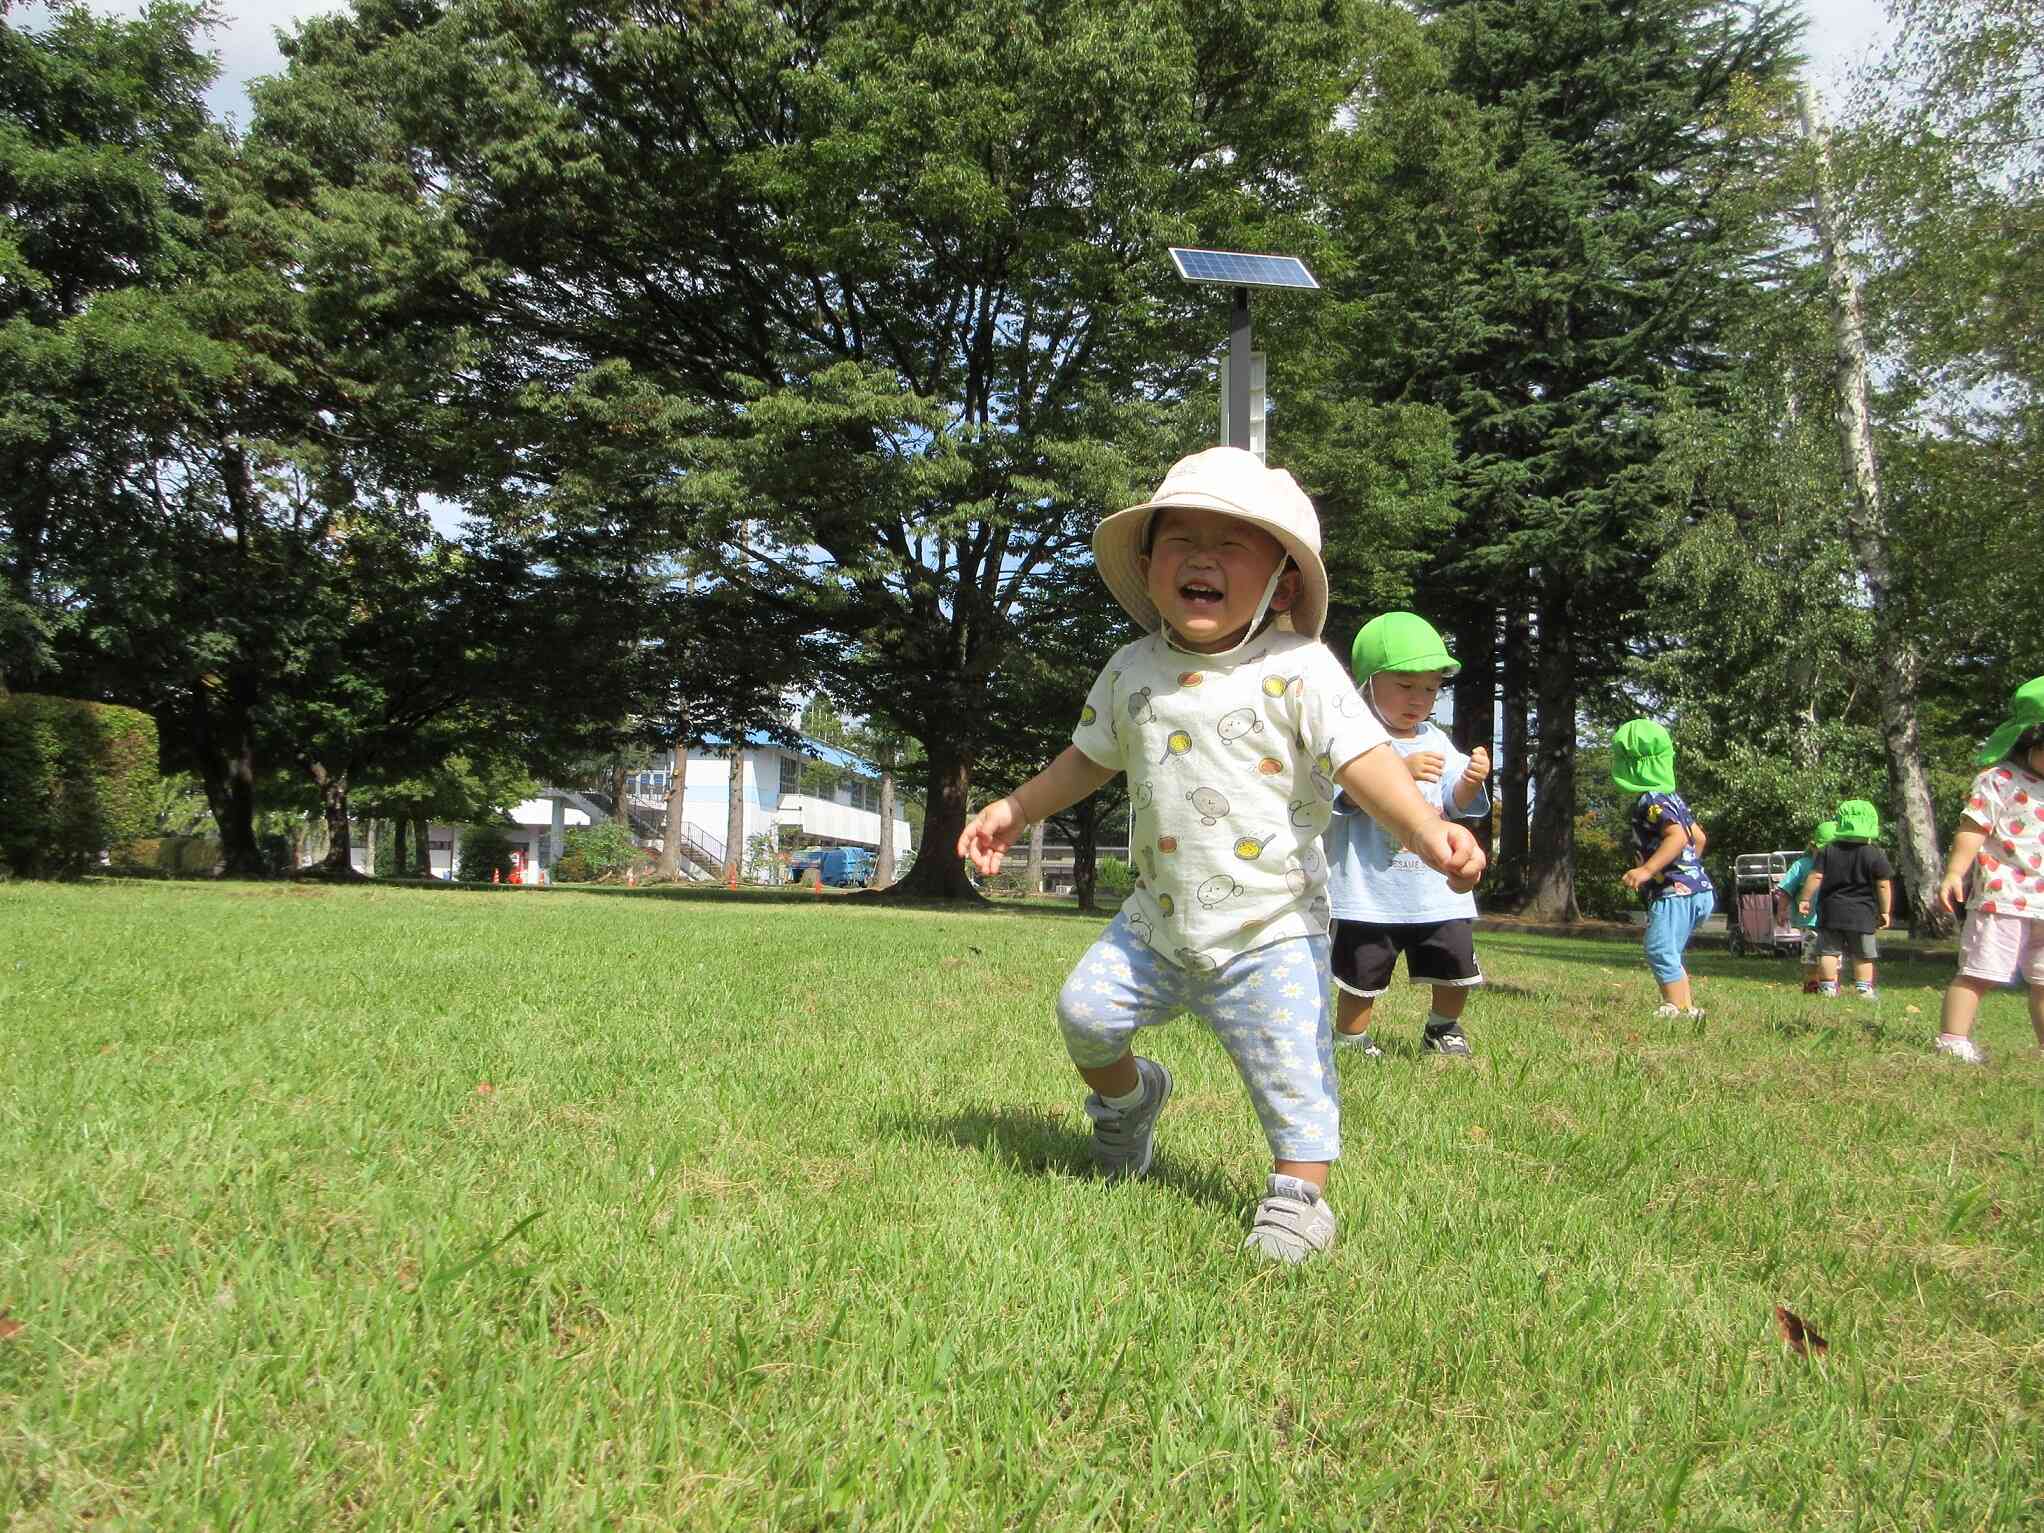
(1238, 371)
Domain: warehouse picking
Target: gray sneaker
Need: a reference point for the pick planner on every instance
(1449, 1040)
(1292, 1224)
(1362, 1041)
(1124, 1141)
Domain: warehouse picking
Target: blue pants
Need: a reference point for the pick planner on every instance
(1267, 1006)
(1671, 921)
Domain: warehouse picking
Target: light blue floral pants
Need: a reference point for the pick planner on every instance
(1267, 1006)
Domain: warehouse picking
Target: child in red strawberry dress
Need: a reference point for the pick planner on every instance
(2002, 830)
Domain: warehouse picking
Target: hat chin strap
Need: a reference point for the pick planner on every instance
(1255, 623)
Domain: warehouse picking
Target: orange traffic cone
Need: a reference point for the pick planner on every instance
(496, 875)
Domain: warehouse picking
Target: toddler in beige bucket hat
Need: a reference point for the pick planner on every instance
(1223, 482)
(1235, 735)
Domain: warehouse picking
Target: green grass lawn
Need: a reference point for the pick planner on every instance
(407, 1208)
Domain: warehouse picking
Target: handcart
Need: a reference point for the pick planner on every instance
(1758, 920)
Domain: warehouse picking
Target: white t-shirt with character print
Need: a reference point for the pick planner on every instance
(1230, 762)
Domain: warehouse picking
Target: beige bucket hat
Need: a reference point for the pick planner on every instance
(1233, 481)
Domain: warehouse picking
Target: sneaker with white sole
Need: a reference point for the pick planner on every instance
(1965, 1050)
(1123, 1141)
(1293, 1223)
(1446, 1040)
(1667, 1011)
(1361, 1041)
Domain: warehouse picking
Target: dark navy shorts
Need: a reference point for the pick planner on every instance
(1436, 953)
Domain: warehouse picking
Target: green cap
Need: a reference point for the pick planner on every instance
(1858, 820)
(1399, 641)
(1643, 757)
(1824, 834)
(2025, 708)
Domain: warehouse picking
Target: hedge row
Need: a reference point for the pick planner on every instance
(76, 779)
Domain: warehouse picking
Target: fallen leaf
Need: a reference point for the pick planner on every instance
(9, 1326)
(1478, 1132)
(1914, 1011)
(1801, 1339)
(484, 1088)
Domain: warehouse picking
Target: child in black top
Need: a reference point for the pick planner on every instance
(1858, 887)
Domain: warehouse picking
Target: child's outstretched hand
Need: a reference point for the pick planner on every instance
(1951, 890)
(1425, 766)
(1450, 849)
(1478, 769)
(989, 833)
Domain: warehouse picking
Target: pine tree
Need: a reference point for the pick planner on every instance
(1583, 194)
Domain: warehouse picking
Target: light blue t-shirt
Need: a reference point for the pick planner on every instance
(1792, 885)
(1370, 877)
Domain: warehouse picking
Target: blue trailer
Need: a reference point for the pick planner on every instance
(848, 867)
(842, 867)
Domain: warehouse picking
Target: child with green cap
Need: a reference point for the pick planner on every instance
(1999, 832)
(1669, 843)
(1790, 889)
(1385, 901)
(1859, 891)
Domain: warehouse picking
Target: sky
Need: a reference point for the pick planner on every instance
(1841, 32)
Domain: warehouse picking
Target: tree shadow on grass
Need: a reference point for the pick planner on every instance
(1038, 1141)
(753, 896)
(1837, 1023)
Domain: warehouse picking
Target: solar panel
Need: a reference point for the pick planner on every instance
(1239, 270)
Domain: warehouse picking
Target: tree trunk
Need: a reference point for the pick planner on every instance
(1476, 699)
(420, 825)
(1034, 872)
(1866, 532)
(224, 749)
(398, 829)
(1552, 885)
(333, 804)
(734, 819)
(674, 823)
(1086, 854)
(939, 872)
(617, 793)
(369, 828)
(1514, 759)
(883, 864)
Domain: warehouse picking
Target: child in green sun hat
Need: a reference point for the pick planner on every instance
(2001, 842)
(1790, 888)
(1669, 842)
(1859, 891)
(1385, 901)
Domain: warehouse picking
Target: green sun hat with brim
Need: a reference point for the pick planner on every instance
(1400, 641)
(1643, 757)
(2026, 707)
(1858, 820)
(1824, 834)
